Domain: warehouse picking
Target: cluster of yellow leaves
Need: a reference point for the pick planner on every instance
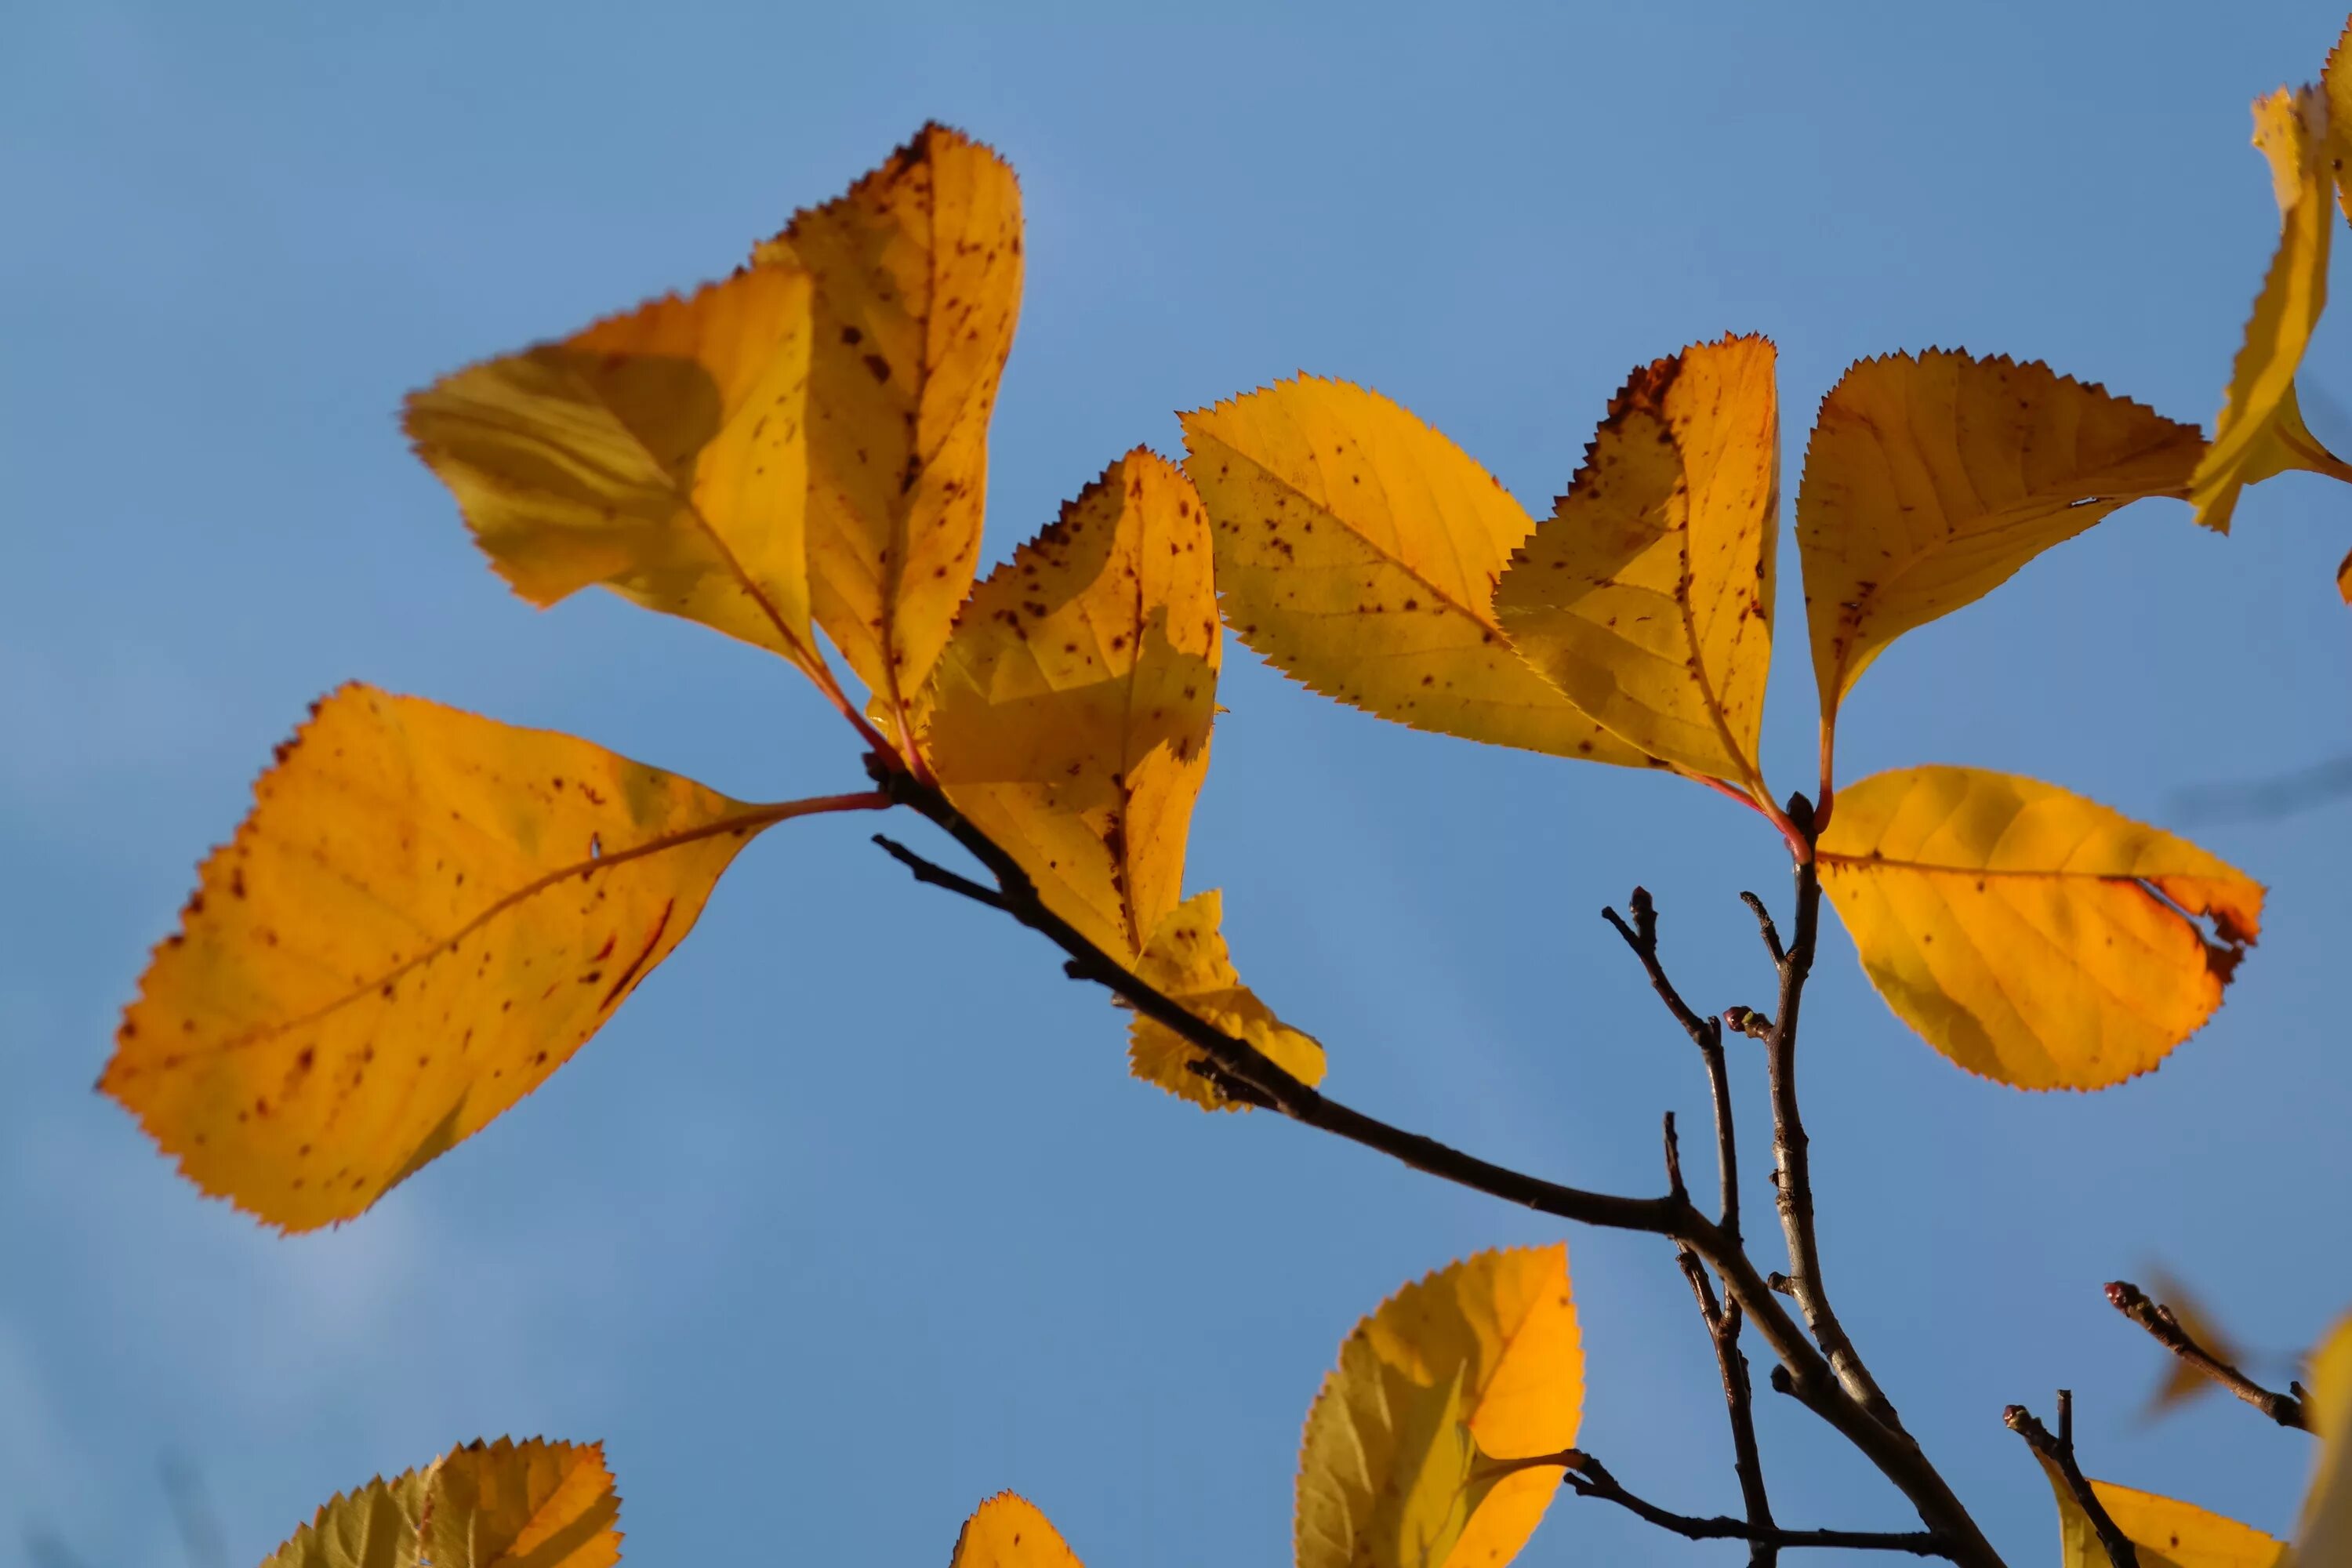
(1438, 1440)
(427, 912)
(534, 1504)
(2168, 1534)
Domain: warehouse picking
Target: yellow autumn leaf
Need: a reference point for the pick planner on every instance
(2335, 82)
(1647, 596)
(1358, 550)
(1481, 1358)
(2031, 935)
(1069, 716)
(534, 1504)
(918, 274)
(1008, 1531)
(660, 453)
(2166, 1532)
(2261, 432)
(425, 915)
(1187, 962)
(2325, 1536)
(1930, 479)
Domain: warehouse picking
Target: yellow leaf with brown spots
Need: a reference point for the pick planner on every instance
(660, 453)
(2168, 1533)
(2261, 432)
(1069, 716)
(2031, 935)
(2326, 1535)
(1647, 595)
(425, 915)
(1358, 550)
(535, 1504)
(1188, 962)
(917, 272)
(1008, 1531)
(1931, 479)
(1478, 1362)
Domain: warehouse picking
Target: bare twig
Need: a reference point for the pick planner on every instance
(1590, 1477)
(2059, 1453)
(1771, 933)
(1707, 1034)
(2166, 1329)
(1723, 1322)
(935, 874)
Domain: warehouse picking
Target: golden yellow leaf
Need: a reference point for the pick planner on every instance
(1069, 716)
(535, 1504)
(660, 453)
(425, 915)
(1930, 480)
(2031, 935)
(1008, 1531)
(2261, 432)
(918, 273)
(1187, 962)
(2325, 1537)
(2168, 1533)
(1481, 1357)
(1358, 550)
(1647, 596)
(2335, 82)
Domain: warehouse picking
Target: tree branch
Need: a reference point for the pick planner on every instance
(2059, 1454)
(1707, 1034)
(1723, 1324)
(2166, 1330)
(1590, 1477)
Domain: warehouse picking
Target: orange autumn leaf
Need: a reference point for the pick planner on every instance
(1008, 1531)
(1187, 962)
(918, 285)
(1069, 716)
(1647, 596)
(1478, 1361)
(1358, 551)
(660, 453)
(425, 915)
(534, 1504)
(2031, 935)
(1931, 479)
(2261, 432)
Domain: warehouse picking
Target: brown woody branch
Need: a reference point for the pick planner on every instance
(1589, 1477)
(2286, 1409)
(2059, 1452)
(1808, 1374)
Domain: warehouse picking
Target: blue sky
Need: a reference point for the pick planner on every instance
(851, 1218)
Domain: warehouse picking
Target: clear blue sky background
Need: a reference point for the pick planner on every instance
(851, 1218)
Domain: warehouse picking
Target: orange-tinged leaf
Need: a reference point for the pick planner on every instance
(1187, 962)
(534, 1504)
(2325, 1536)
(918, 273)
(1647, 596)
(1069, 716)
(2168, 1533)
(1358, 550)
(1481, 1358)
(2261, 432)
(425, 915)
(1930, 479)
(660, 453)
(1008, 1531)
(2335, 82)
(2031, 935)
(522, 1505)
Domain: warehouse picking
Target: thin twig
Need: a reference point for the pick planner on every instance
(2166, 1330)
(937, 876)
(1707, 1034)
(1591, 1479)
(1723, 1322)
(2059, 1453)
(1771, 933)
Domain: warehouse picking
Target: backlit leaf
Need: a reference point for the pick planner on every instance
(1069, 717)
(2261, 432)
(2335, 82)
(1647, 596)
(2167, 1534)
(918, 273)
(1188, 962)
(2325, 1536)
(425, 915)
(1008, 1531)
(501, 1505)
(1358, 550)
(373, 1526)
(660, 453)
(1479, 1357)
(2031, 935)
(1930, 479)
